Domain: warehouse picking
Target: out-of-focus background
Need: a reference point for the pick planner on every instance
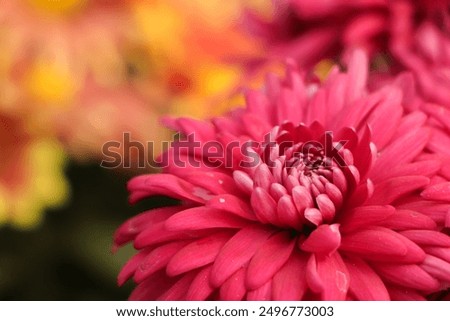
(74, 75)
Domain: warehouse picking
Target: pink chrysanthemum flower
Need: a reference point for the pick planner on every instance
(332, 198)
(310, 31)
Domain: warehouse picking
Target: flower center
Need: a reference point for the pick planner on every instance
(302, 178)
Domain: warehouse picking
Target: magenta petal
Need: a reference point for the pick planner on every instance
(314, 216)
(289, 283)
(334, 194)
(374, 243)
(365, 216)
(215, 182)
(335, 277)
(324, 240)
(133, 226)
(196, 254)
(163, 184)
(326, 207)
(423, 237)
(263, 177)
(438, 192)
(130, 267)
(178, 291)
(238, 251)
(302, 198)
(264, 293)
(437, 268)
(426, 168)
(271, 256)
(151, 288)
(156, 260)
(264, 206)
(277, 191)
(200, 288)
(232, 204)
(408, 220)
(233, 289)
(313, 279)
(243, 181)
(409, 276)
(158, 233)
(198, 218)
(404, 294)
(401, 151)
(287, 213)
(440, 252)
(365, 284)
(391, 189)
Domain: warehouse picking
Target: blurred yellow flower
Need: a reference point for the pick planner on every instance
(82, 73)
(31, 175)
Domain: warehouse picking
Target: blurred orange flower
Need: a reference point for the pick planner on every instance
(31, 174)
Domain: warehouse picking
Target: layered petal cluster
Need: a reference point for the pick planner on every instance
(323, 191)
(310, 31)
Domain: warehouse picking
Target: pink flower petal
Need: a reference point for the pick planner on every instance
(402, 294)
(423, 237)
(212, 181)
(156, 260)
(326, 207)
(133, 226)
(270, 257)
(158, 233)
(233, 289)
(401, 151)
(243, 182)
(238, 251)
(162, 184)
(323, 240)
(426, 168)
(439, 192)
(391, 189)
(197, 254)
(334, 193)
(314, 216)
(379, 243)
(407, 220)
(130, 267)
(365, 284)
(437, 268)
(232, 204)
(263, 177)
(277, 191)
(151, 288)
(178, 291)
(264, 293)
(365, 216)
(409, 276)
(287, 213)
(200, 288)
(198, 218)
(288, 284)
(302, 198)
(264, 206)
(333, 276)
(313, 279)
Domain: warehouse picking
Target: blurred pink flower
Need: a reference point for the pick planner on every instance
(310, 31)
(339, 204)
